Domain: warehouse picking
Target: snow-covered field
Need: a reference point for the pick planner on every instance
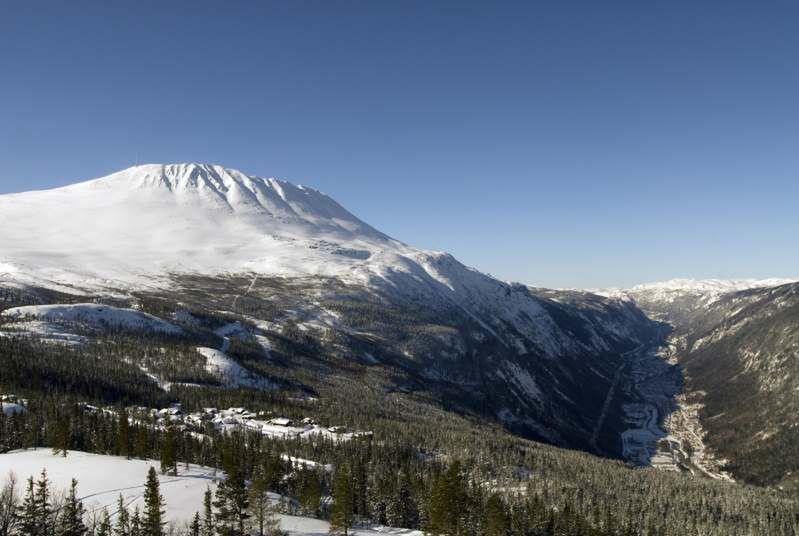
(101, 479)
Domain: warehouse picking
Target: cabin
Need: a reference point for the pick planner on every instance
(281, 421)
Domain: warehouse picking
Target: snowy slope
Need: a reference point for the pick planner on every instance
(711, 288)
(198, 218)
(678, 301)
(138, 227)
(183, 494)
(92, 315)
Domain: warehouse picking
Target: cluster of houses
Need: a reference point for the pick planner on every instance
(241, 418)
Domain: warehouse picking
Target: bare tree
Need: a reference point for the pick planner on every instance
(9, 502)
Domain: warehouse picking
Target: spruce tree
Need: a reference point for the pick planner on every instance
(209, 524)
(63, 436)
(43, 506)
(71, 519)
(232, 498)
(136, 523)
(341, 515)
(448, 502)
(153, 522)
(29, 519)
(122, 525)
(194, 526)
(169, 461)
(142, 446)
(495, 517)
(103, 527)
(123, 433)
(264, 520)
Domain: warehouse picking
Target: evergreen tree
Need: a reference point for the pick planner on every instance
(123, 433)
(122, 525)
(136, 524)
(495, 520)
(153, 522)
(194, 526)
(29, 519)
(169, 461)
(142, 447)
(209, 524)
(232, 499)
(264, 520)
(448, 502)
(401, 508)
(63, 436)
(342, 514)
(310, 493)
(103, 527)
(43, 506)
(71, 519)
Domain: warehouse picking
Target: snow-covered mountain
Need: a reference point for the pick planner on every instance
(277, 255)
(679, 300)
(152, 219)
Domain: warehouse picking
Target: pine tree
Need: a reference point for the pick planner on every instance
(310, 492)
(401, 510)
(123, 434)
(209, 524)
(448, 502)
(63, 436)
(29, 519)
(169, 461)
(341, 515)
(194, 526)
(122, 525)
(495, 520)
(136, 523)
(43, 507)
(71, 519)
(153, 522)
(232, 498)
(142, 447)
(264, 520)
(103, 528)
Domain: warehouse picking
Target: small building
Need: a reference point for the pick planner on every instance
(281, 421)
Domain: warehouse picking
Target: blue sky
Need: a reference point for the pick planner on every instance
(554, 143)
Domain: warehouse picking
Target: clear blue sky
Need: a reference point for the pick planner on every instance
(554, 143)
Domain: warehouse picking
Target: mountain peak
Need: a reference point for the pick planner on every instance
(161, 218)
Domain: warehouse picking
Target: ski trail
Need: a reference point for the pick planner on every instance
(249, 289)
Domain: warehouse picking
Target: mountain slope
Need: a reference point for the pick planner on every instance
(292, 259)
(737, 343)
(746, 367)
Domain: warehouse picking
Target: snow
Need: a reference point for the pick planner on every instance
(10, 408)
(101, 479)
(43, 332)
(307, 464)
(230, 372)
(93, 315)
(155, 219)
(709, 289)
(140, 227)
